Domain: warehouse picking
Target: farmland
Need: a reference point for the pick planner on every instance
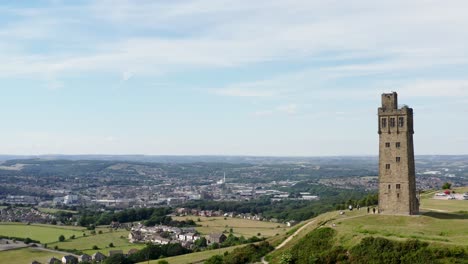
(240, 227)
(43, 233)
(117, 238)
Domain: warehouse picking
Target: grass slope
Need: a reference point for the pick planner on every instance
(197, 257)
(26, 256)
(442, 223)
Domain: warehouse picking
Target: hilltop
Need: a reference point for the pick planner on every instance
(442, 228)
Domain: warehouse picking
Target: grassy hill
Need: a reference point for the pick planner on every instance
(442, 224)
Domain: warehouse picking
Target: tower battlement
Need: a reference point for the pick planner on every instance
(389, 101)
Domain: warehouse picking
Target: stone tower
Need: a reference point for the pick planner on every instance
(397, 183)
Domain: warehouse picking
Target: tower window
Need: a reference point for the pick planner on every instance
(398, 145)
(384, 122)
(398, 186)
(392, 122)
(401, 121)
(387, 144)
(389, 186)
(387, 166)
(397, 195)
(398, 159)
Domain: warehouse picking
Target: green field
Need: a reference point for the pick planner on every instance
(244, 227)
(85, 244)
(43, 233)
(26, 256)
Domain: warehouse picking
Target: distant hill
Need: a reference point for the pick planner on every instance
(230, 159)
(195, 158)
(440, 233)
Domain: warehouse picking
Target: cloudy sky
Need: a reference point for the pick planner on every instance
(291, 77)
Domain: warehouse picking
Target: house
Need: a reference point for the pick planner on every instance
(215, 238)
(98, 257)
(160, 240)
(114, 224)
(187, 244)
(188, 237)
(69, 259)
(54, 261)
(85, 258)
(291, 223)
(135, 236)
(115, 252)
(192, 237)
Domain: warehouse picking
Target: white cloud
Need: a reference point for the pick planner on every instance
(290, 109)
(436, 88)
(263, 113)
(126, 75)
(244, 92)
(209, 34)
(286, 109)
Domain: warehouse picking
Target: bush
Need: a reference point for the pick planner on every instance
(249, 254)
(447, 185)
(317, 247)
(61, 238)
(95, 247)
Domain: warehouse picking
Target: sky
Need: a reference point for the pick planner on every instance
(222, 77)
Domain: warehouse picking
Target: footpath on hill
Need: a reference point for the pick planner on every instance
(313, 221)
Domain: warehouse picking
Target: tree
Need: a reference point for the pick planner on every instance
(61, 238)
(117, 259)
(216, 259)
(447, 185)
(111, 244)
(201, 243)
(95, 247)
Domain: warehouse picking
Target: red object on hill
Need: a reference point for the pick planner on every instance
(447, 192)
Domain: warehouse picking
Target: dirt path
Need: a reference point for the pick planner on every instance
(300, 230)
(290, 237)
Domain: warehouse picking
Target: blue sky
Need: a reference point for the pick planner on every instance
(292, 77)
